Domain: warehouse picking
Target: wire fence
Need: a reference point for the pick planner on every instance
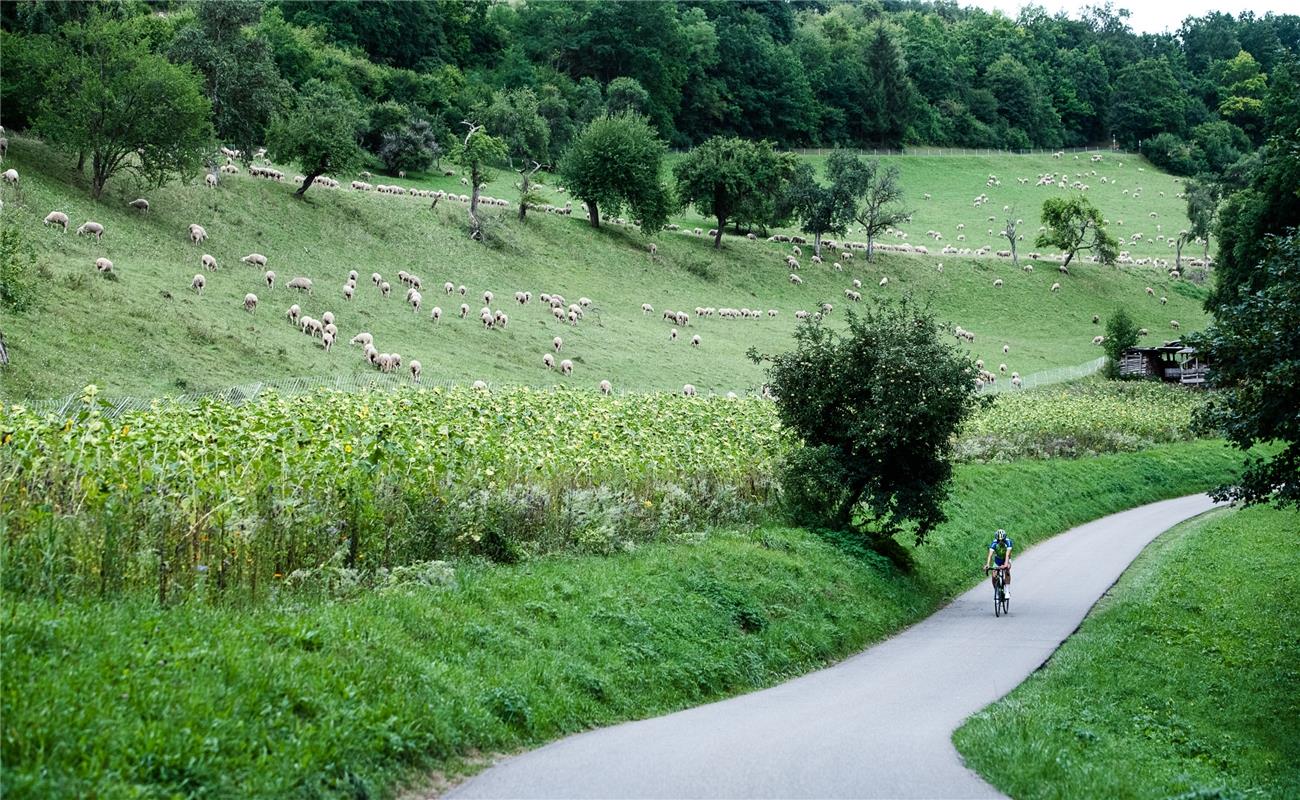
(288, 387)
(1047, 377)
(963, 151)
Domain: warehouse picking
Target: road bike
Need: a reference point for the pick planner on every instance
(1001, 603)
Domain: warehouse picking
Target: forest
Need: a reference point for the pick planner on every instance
(878, 74)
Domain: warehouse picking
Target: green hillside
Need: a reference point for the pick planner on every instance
(146, 333)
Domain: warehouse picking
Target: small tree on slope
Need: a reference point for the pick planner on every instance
(319, 133)
(1074, 224)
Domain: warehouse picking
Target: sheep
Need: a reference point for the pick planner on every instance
(269, 277)
(772, 312)
(250, 302)
(672, 335)
(1002, 368)
(1164, 300)
(857, 284)
(198, 233)
(348, 291)
(385, 288)
(1056, 287)
(1016, 382)
(11, 176)
(57, 218)
(362, 338)
(548, 361)
(208, 262)
(606, 388)
(584, 302)
(376, 278)
(91, 228)
(464, 310)
(557, 343)
(646, 308)
(371, 355)
(449, 287)
(487, 298)
(1143, 332)
(293, 313)
(414, 298)
(103, 265)
(461, 289)
(1064, 270)
(416, 368)
(566, 367)
(210, 180)
(654, 250)
(501, 318)
(683, 318)
(327, 340)
(695, 340)
(300, 283)
(1173, 323)
(796, 280)
(997, 284)
(480, 386)
(688, 390)
(884, 281)
(436, 314)
(254, 260)
(1151, 292)
(331, 329)
(198, 283)
(1097, 340)
(139, 204)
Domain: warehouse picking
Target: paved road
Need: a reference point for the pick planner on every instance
(876, 725)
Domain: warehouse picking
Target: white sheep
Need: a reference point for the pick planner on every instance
(198, 233)
(208, 262)
(566, 367)
(464, 310)
(414, 298)
(416, 368)
(796, 280)
(487, 298)
(1164, 300)
(327, 340)
(584, 302)
(557, 343)
(688, 390)
(348, 291)
(254, 259)
(362, 338)
(646, 308)
(293, 313)
(57, 218)
(480, 386)
(1173, 323)
(139, 204)
(300, 283)
(436, 314)
(385, 288)
(884, 281)
(199, 283)
(997, 284)
(103, 265)
(548, 361)
(376, 278)
(1056, 287)
(1006, 348)
(11, 176)
(210, 180)
(91, 228)
(654, 249)
(269, 277)
(250, 302)
(695, 340)
(449, 287)
(606, 388)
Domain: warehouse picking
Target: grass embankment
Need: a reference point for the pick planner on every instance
(1184, 682)
(301, 698)
(147, 334)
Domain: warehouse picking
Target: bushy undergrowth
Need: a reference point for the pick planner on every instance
(1182, 684)
(333, 488)
(1079, 419)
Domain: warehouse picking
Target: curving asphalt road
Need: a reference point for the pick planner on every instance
(878, 724)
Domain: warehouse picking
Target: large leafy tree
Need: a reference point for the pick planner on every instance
(240, 77)
(1074, 225)
(615, 163)
(892, 110)
(1255, 367)
(319, 133)
(124, 107)
(822, 209)
(877, 190)
(515, 118)
(410, 146)
(877, 405)
(727, 177)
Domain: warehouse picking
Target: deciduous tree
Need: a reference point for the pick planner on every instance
(724, 176)
(616, 162)
(1073, 225)
(319, 133)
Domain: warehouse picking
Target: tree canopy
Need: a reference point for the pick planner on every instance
(319, 133)
(1073, 225)
(615, 163)
(726, 178)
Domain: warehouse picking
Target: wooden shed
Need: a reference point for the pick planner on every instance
(1171, 362)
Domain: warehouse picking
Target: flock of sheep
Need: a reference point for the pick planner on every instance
(326, 330)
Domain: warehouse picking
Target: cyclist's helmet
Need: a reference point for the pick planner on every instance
(1001, 535)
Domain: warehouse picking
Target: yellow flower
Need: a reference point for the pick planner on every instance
(347, 448)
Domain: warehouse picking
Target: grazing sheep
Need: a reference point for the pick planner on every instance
(1096, 319)
(464, 310)
(198, 233)
(293, 313)
(480, 386)
(449, 287)
(208, 262)
(269, 277)
(331, 329)
(362, 338)
(1056, 287)
(461, 289)
(548, 361)
(199, 283)
(1151, 292)
(254, 259)
(1016, 382)
(796, 280)
(997, 284)
(584, 302)
(11, 176)
(436, 314)
(1164, 300)
(557, 343)
(210, 180)
(695, 340)
(300, 283)
(688, 390)
(348, 291)
(327, 340)
(103, 265)
(250, 302)
(371, 355)
(606, 387)
(92, 228)
(327, 318)
(139, 204)
(57, 218)
(1143, 332)
(416, 368)
(414, 298)
(672, 335)
(884, 281)
(646, 308)
(1097, 340)
(1173, 323)
(376, 278)
(1006, 348)
(566, 367)
(487, 298)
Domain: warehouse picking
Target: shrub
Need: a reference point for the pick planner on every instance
(19, 271)
(1121, 334)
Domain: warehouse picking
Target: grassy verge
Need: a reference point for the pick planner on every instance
(1182, 683)
(303, 698)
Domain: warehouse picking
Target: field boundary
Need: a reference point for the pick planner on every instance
(113, 406)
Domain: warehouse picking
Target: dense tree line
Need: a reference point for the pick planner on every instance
(875, 73)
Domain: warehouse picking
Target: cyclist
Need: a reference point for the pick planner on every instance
(1000, 554)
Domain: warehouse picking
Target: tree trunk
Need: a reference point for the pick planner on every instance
(1068, 256)
(310, 179)
(97, 177)
(817, 244)
(593, 213)
(475, 226)
(523, 192)
(1178, 254)
(1015, 260)
(81, 162)
(871, 245)
(717, 239)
